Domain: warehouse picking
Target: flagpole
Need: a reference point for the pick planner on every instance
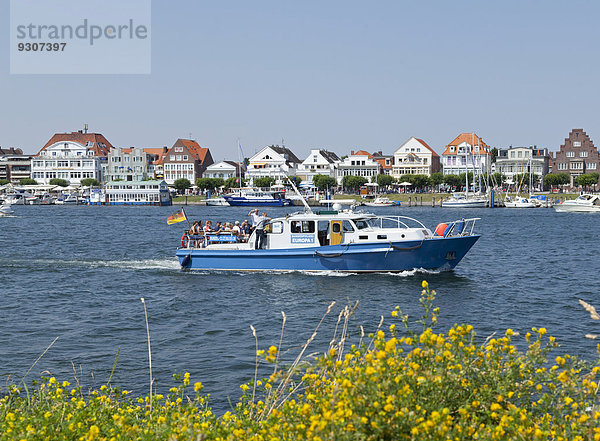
(186, 218)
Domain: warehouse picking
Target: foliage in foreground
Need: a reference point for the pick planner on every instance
(396, 384)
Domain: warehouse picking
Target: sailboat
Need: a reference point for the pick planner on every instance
(519, 201)
(464, 200)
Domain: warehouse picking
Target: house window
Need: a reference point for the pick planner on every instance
(512, 154)
(178, 149)
(591, 166)
(519, 154)
(576, 165)
(185, 157)
(172, 157)
(178, 157)
(576, 143)
(583, 154)
(570, 154)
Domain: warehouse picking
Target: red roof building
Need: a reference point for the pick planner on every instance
(466, 153)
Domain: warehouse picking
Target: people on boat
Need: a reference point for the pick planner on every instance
(236, 228)
(208, 227)
(245, 228)
(259, 227)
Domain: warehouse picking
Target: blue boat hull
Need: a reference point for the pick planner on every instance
(432, 254)
(243, 202)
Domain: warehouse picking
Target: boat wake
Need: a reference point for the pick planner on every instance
(145, 264)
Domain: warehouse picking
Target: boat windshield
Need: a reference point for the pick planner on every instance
(361, 224)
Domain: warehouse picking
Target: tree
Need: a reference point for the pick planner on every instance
(265, 182)
(182, 184)
(384, 180)
(453, 180)
(210, 183)
(421, 181)
(4, 181)
(323, 182)
(59, 182)
(90, 182)
(437, 179)
(353, 182)
(234, 183)
(587, 180)
(27, 181)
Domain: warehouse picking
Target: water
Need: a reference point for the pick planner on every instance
(78, 273)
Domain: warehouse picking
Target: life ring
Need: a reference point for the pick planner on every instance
(184, 240)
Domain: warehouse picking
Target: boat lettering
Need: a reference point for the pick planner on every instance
(303, 238)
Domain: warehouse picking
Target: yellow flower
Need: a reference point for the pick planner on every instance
(425, 284)
(197, 386)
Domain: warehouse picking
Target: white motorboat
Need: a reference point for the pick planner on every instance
(217, 202)
(519, 202)
(381, 201)
(16, 198)
(32, 200)
(460, 200)
(585, 203)
(5, 209)
(66, 199)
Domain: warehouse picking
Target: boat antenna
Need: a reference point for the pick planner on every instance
(308, 209)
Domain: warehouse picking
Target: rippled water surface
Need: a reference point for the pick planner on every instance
(77, 273)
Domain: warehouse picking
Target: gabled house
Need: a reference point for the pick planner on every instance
(466, 153)
(415, 157)
(186, 159)
(576, 156)
(359, 163)
(385, 161)
(224, 170)
(71, 156)
(318, 162)
(272, 161)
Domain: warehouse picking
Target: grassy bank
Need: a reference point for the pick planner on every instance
(405, 381)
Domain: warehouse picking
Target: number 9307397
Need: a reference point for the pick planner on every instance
(41, 47)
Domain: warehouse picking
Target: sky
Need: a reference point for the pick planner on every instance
(340, 75)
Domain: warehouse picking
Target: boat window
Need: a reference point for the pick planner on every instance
(303, 226)
(363, 223)
(336, 228)
(347, 226)
(277, 227)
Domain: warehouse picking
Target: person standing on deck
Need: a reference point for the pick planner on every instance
(259, 223)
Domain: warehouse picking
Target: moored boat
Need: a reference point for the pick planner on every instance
(459, 200)
(519, 202)
(381, 201)
(256, 197)
(217, 202)
(345, 241)
(585, 203)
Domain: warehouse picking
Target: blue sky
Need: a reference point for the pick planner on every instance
(340, 75)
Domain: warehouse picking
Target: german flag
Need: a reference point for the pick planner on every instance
(176, 217)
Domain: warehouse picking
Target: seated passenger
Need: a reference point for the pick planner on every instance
(236, 228)
(208, 227)
(245, 228)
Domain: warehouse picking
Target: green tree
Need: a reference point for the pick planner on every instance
(90, 182)
(384, 180)
(323, 182)
(59, 182)
(453, 180)
(353, 182)
(437, 179)
(209, 183)
(28, 181)
(587, 180)
(265, 182)
(4, 181)
(420, 181)
(182, 184)
(234, 182)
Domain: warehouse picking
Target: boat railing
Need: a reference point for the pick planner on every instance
(400, 221)
(461, 227)
(207, 238)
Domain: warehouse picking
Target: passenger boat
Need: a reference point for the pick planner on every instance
(381, 201)
(588, 203)
(334, 240)
(217, 202)
(257, 197)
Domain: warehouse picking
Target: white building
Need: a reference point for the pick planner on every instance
(466, 153)
(318, 162)
(272, 161)
(415, 157)
(520, 160)
(223, 169)
(67, 160)
(360, 163)
(129, 164)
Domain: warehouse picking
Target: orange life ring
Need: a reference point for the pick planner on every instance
(184, 240)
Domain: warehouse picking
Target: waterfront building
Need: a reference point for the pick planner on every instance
(519, 160)
(14, 165)
(224, 170)
(466, 153)
(577, 155)
(186, 159)
(151, 192)
(359, 163)
(71, 156)
(129, 164)
(274, 162)
(318, 162)
(385, 161)
(415, 157)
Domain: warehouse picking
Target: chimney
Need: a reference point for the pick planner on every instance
(85, 128)
(351, 152)
(165, 149)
